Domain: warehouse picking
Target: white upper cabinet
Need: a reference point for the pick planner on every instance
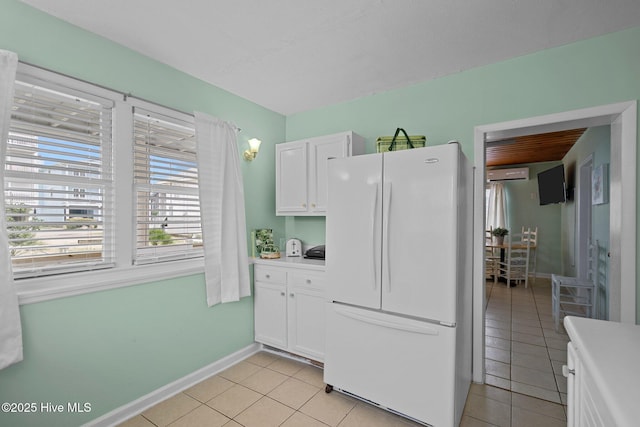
(320, 151)
(291, 178)
(301, 171)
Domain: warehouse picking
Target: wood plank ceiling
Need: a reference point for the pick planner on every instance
(544, 147)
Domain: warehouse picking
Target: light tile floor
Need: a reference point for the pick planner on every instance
(524, 358)
(523, 351)
(523, 361)
(265, 390)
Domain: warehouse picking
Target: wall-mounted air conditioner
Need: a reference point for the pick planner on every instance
(512, 174)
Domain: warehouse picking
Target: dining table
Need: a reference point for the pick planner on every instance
(504, 246)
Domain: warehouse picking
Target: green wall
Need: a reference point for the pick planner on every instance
(588, 73)
(110, 348)
(524, 210)
(595, 141)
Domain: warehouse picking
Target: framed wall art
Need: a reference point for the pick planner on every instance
(599, 185)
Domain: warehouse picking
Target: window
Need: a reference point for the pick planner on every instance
(95, 180)
(166, 189)
(59, 181)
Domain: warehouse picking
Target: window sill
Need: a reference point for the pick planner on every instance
(65, 285)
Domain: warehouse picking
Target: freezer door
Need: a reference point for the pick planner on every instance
(420, 232)
(401, 364)
(353, 224)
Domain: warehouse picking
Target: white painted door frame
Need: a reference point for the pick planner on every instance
(583, 220)
(622, 179)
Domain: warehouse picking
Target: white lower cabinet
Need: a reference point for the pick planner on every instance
(289, 309)
(602, 374)
(586, 406)
(270, 314)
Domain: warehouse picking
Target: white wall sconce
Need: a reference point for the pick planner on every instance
(252, 152)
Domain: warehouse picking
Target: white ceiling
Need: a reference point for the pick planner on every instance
(296, 55)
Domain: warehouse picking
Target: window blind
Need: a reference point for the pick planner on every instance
(166, 189)
(58, 181)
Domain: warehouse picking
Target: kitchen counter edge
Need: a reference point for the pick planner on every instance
(291, 262)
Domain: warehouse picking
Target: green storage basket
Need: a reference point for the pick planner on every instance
(396, 142)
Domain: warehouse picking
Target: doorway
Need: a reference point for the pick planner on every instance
(623, 120)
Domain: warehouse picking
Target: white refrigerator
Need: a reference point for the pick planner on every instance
(398, 262)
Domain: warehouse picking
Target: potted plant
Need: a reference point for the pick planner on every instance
(499, 233)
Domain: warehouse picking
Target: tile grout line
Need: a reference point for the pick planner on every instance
(532, 299)
(564, 406)
(284, 404)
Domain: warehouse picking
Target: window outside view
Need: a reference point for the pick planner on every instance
(57, 181)
(166, 184)
(60, 188)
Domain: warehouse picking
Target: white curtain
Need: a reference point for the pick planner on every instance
(496, 206)
(10, 329)
(222, 211)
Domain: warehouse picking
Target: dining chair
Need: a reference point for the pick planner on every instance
(571, 296)
(600, 281)
(491, 257)
(531, 234)
(515, 266)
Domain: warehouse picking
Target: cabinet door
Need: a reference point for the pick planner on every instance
(320, 151)
(592, 407)
(307, 322)
(573, 385)
(270, 314)
(291, 178)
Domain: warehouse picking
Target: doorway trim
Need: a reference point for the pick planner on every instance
(583, 219)
(623, 120)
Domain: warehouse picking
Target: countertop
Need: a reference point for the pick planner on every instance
(611, 353)
(295, 262)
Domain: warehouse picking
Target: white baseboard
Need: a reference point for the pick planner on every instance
(130, 410)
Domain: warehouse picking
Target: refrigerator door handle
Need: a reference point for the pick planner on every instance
(421, 329)
(373, 234)
(386, 220)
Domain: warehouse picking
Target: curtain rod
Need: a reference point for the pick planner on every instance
(124, 95)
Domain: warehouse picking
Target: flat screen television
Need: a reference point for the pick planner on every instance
(552, 186)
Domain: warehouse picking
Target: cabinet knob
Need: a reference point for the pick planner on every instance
(291, 295)
(313, 205)
(268, 276)
(282, 293)
(304, 205)
(309, 281)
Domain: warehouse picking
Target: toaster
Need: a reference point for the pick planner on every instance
(294, 247)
